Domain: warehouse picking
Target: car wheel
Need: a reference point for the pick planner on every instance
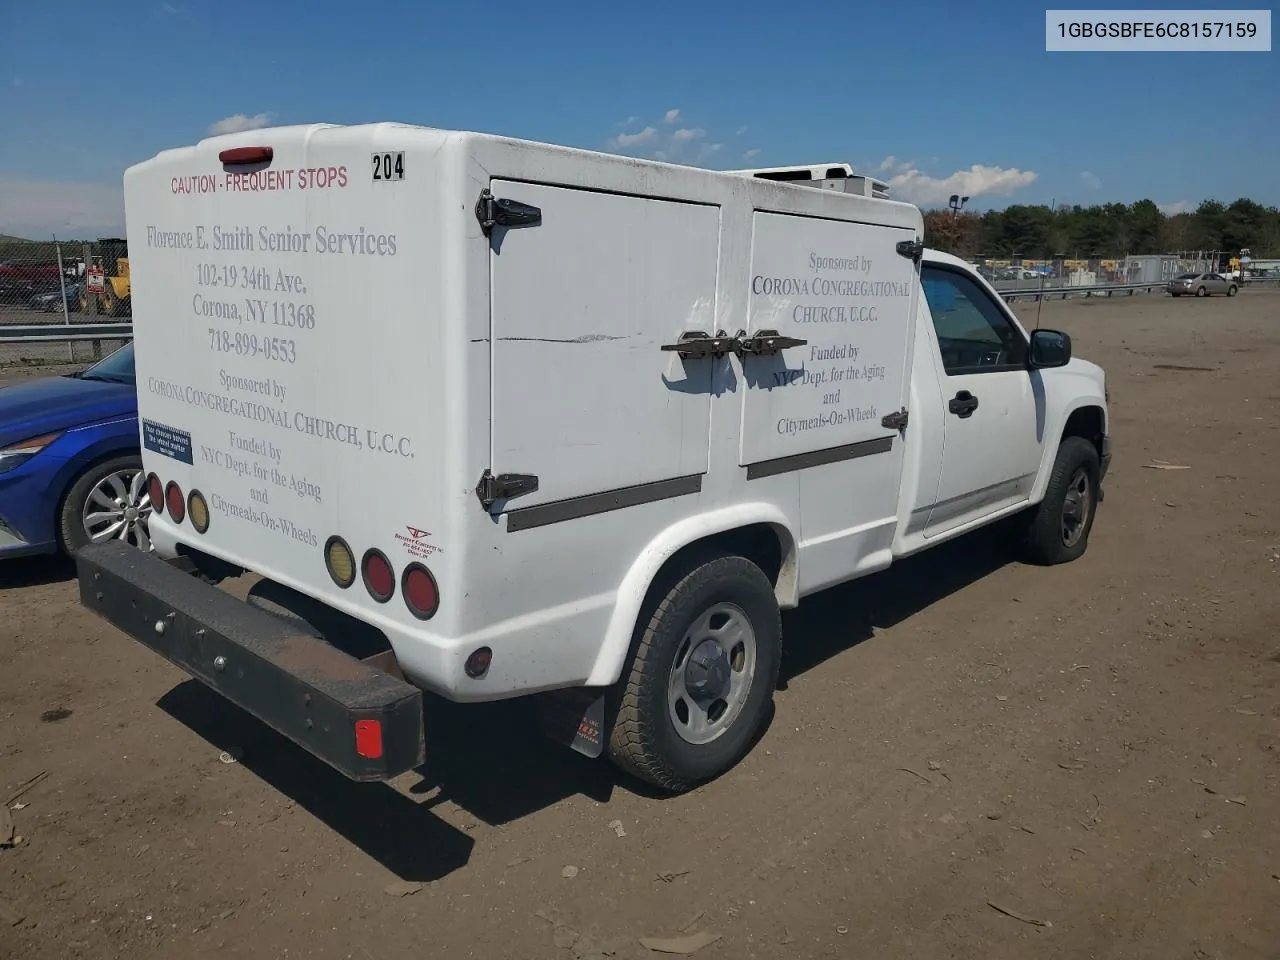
(109, 501)
(1232, 291)
(698, 686)
(1058, 531)
(1201, 292)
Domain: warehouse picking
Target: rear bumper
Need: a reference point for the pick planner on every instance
(362, 721)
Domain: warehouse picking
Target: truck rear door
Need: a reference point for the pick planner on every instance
(584, 398)
(845, 291)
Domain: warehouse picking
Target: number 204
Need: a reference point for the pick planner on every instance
(388, 166)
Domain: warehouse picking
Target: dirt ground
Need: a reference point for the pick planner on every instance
(970, 758)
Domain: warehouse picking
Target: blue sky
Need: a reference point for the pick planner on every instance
(937, 96)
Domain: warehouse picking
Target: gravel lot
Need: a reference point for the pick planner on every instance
(1091, 749)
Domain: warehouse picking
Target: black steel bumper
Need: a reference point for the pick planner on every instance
(359, 719)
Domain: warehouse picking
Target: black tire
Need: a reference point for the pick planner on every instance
(1175, 294)
(1046, 540)
(71, 532)
(1232, 290)
(1201, 292)
(643, 739)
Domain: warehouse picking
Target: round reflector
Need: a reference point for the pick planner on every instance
(173, 500)
(379, 578)
(155, 493)
(340, 562)
(421, 594)
(199, 511)
(477, 664)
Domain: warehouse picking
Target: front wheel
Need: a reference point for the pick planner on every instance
(109, 501)
(1201, 292)
(699, 683)
(1232, 291)
(1058, 531)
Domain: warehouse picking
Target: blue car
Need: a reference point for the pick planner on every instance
(70, 461)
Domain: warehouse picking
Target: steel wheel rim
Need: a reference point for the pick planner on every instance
(1075, 507)
(118, 508)
(712, 673)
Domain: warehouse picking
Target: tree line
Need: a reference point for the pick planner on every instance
(1109, 230)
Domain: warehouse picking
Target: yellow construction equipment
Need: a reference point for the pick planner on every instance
(113, 258)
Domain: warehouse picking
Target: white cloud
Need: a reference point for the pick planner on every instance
(979, 180)
(888, 163)
(741, 130)
(1177, 207)
(239, 122)
(751, 155)
(1091, 180)
(625, 140)
(663, 140)
(36, 209)
(629, 121)
(168, 8)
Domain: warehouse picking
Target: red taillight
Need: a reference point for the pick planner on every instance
(174, 502)
(155, 493)
(379, 578)
(421, 594)
(477, 664)
(246, 156)
(369, 739)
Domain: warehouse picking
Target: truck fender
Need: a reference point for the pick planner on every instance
(631, 593)
(1054, 437)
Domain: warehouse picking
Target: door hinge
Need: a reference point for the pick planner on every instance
(763, 343)
(913, 250)
(694, 345)
(493, 212)
(504, 486)
(895, 421)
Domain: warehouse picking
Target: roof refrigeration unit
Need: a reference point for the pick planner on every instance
(825, 176)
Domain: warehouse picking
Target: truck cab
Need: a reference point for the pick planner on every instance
(485, 418)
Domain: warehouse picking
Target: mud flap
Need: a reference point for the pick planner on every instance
(574, 718)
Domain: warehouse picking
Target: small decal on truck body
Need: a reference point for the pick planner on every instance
(167, 441)
(417, 542)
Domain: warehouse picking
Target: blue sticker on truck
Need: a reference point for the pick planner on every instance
(167, 441)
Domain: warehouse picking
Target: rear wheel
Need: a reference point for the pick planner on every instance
(1232, 291)
(108, 501)
(1058, 530)
(697, 689)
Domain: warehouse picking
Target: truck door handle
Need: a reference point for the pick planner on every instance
(694, 345)
(963, 404)
(765, 343)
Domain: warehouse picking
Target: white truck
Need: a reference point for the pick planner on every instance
(491, 418)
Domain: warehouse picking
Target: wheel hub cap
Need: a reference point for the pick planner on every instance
(707, 676)
(118, 508)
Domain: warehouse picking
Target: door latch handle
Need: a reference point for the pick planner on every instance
(694, 345)
(763, 343)
(963, 404)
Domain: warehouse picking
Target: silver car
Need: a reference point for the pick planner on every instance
(1201, 285)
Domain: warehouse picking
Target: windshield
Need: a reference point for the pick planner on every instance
(117, 368)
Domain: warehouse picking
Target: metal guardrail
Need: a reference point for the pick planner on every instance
(1101, 289)
(63, 333)
(1108, 289)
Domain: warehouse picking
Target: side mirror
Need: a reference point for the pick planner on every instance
(1049, 348)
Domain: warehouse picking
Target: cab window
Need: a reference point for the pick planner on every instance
(974, 333)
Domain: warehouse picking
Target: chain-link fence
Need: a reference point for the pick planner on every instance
(1014, 272)
(62, 282)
